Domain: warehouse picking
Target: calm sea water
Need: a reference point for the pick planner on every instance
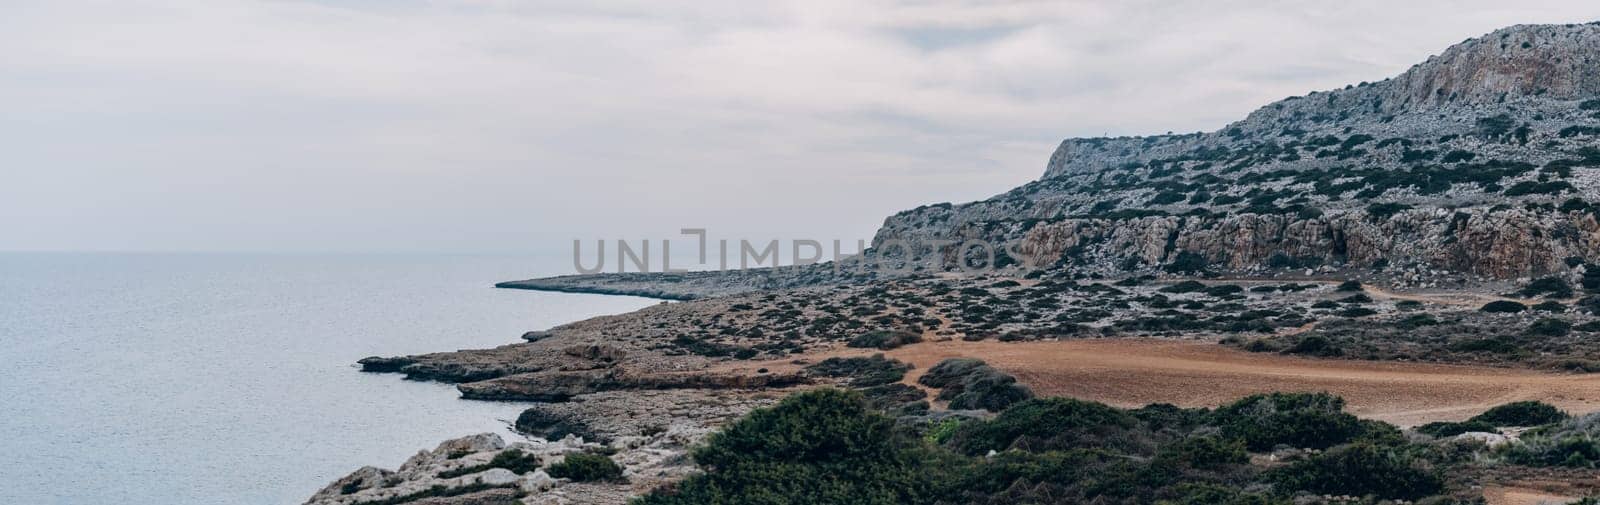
(206, 379)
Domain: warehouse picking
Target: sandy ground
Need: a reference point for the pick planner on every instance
(1134, 372)
(1516, 496)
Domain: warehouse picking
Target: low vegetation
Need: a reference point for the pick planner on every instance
(586, 467)
(829, 446)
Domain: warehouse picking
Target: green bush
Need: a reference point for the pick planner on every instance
(1538, 188)
(1574, 443)
(1205, 452)
(829, 446)
(1357, 312)
(1492, 345)
(1360, 470)
(585, 467)
(1523, 413)
(1315, 345)
(1577, 452)
(884, 340)
(1307, 420)
(1550, 306)
(1185, 287)
(1222, 290)
(1381, 211)
(1449, 429)
(1503, 306)
(968, 383)
(1349, 286)
(1043, 424)
(1187, 263)
(1166, 198)
(817, 447)
(1555, 286)
(862, 372)
(511, 459)
(1550, 327)
(1213, 494)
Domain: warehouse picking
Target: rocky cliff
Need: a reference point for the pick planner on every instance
(1481, 160)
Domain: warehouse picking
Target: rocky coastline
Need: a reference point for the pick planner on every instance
(1447, 216)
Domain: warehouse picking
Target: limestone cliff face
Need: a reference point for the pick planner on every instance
(1505, 244)
(1482, 160)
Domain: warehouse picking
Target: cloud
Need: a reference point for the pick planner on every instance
(500, 125)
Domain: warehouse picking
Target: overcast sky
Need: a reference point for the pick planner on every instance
(496, 126)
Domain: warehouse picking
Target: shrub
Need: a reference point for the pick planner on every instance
(1538, 188)
(1185, 287)
(1349, 286)
(1523, 413)
(1550, 327)
(817, 447)
(1204, 452)
(862, 372)
(1315, 345)
(1580, 452)
(511, 459)
(1166, 198)
(1574, 443)
(1360, 470)
(1188, 263)
(1550, 306)
(949, 371)
(1381, 211)
(884, 340)
(1449, 429)
(970, 384)
(1312, 420)
(1555, 286)
(1357, 312)
(1041, 424)
(1458, 156)
(1213, 494)
(1493, 345)
(1503, 306)
(585, 467)
(1222, 290)
(1356, 298)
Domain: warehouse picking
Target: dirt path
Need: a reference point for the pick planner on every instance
(1514, 496)
(1133, 372)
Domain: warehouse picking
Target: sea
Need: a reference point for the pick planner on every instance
(173, 379)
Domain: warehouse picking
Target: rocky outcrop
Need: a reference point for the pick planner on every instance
(563, 386)
(697, 284)
(1482, 160)
(1547, 62)
(647, 433)
(1504, 243)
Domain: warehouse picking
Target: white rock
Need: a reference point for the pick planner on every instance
(537, 481)
(497, 477)
(1488, 439)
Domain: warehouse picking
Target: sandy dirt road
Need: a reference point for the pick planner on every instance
(1134, 372)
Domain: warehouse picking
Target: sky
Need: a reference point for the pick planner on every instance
(506, 126)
